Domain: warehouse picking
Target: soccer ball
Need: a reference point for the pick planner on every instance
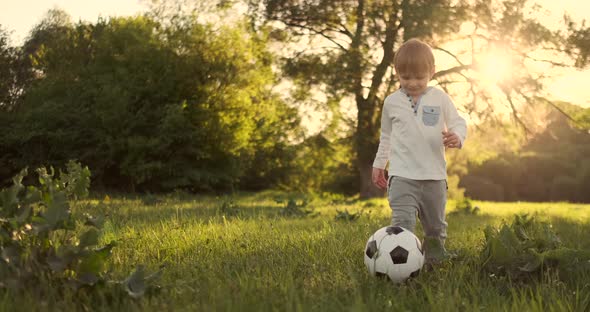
(394, 252)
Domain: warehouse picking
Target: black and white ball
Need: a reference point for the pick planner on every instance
(394, 252)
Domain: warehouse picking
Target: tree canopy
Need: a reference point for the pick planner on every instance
(352, 43)
(184, 97)
(149, 106)
(552, 166)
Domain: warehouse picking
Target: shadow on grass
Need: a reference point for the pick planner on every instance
(155, 209)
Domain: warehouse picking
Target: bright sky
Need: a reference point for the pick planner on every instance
(19, 16)
(572, 85)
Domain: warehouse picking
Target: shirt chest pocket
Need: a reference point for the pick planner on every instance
(430, 115)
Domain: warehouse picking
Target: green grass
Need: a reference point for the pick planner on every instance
(249, 256)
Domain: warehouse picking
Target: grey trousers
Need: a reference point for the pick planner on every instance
(423, 198)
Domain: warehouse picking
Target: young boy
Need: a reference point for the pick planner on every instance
(417, 123)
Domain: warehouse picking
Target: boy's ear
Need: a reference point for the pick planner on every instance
(433, 71)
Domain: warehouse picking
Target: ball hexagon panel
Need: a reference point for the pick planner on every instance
(399, 255)
(394, 230)
(371, 249)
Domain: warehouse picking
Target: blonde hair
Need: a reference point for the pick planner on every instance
(414, 56)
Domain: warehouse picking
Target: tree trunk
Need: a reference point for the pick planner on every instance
(369, 107)
(367, 142)
(368, 189)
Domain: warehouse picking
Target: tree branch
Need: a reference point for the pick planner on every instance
(545, 61)
(452, 70)
(317, 32)
(530, 100)
(515, 113)
(449, 53)
(345, 31)
(387, 60)
(356, 53)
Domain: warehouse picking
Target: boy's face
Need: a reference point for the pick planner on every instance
(415, 83)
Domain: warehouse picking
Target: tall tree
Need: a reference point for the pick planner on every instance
(351, 44)
(147, 105)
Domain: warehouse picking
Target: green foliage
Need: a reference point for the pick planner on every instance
(296, 208)
(38, 238)
(579, 117)
(339, 199)
(528, 246)
(264, 262)
(323, 162)
(151, 105)
(465, 207)
(42, 244)
(13, 73)
(577, 43)
(347, 216)
(344, 67)
(551, 166)
(356, 42)
(453, 189)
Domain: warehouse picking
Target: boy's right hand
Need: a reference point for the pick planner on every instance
(379, 178)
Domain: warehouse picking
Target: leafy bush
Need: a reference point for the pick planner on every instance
(528, 246)
(346, 216)
(293, 208)
(148, 105)
(42, 245)
(465, 206)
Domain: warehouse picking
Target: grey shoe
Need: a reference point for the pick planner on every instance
(434, 250)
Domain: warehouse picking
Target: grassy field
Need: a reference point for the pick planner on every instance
(247, 253)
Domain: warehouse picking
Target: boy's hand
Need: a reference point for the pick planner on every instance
(379, 178)
(450, 139)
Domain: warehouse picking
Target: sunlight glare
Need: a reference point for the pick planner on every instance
(494, 67)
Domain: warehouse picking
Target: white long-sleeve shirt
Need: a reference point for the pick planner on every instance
(411, 135)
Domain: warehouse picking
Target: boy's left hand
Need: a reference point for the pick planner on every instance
(450, 139)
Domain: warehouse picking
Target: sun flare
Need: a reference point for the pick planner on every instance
(494, 67)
